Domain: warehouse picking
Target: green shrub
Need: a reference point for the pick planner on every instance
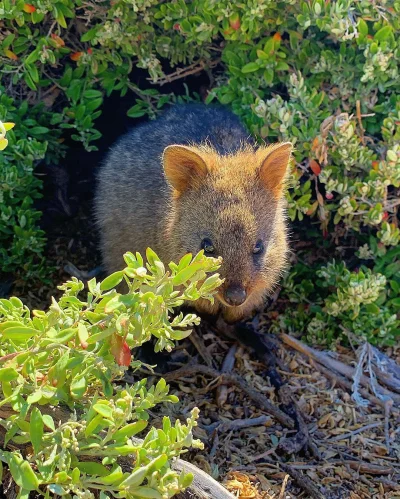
(322, 74)
(69, 357)
(339, 304)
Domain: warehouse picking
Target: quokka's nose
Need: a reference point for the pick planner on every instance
(235, 295)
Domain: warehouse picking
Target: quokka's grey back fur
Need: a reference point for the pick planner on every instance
(132, 191)
(227, 190)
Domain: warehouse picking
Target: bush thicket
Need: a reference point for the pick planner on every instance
(72, 357)
(321, 73)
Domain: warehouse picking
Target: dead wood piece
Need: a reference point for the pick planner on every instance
(203, 485)
(196, 67)
(364, 467)
(385, 369)
(351, 434)
(260, 399)
(227, 366)
(198, 343)
(334, 364)
(302, 481)
(263, 349)
(388, 483)
(237, 424)
(344, 382)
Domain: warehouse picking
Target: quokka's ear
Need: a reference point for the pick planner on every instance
(275, 166)
(183, 167)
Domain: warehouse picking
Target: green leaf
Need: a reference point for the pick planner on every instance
(185, 274)
(94, 338)
(362, 27)
(112, 281)
(34, 397)
(383, 33)
(32, 57)
(105, 410)
(269, 76)
(22, 473)
(94, 423)
(7, 324)
(372, 308)
(48, 421)
(62, 336)
(227, 97)
(61, 20)
(113, 304)
(92, 468)
(130, 430)
(113, 477)
(89, 35)
(34, 73)
(395, 302)
(20, 333)
(36, 429)
(282, 66)
(135, 478)
(83, 334)
(7, 374)
(78, 387)
(250, 67)
(92, 94)
(187, 480)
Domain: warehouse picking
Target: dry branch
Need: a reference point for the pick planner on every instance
(260, 399)
(322, 359)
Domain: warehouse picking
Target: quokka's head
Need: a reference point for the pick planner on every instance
(231, 206)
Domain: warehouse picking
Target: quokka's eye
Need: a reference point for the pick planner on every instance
(207, 246)
(258, 248)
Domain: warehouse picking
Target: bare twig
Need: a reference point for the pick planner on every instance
(323, 359)
(196, 67)
(199, 345)
(260, 399)
(282, 492)
(302, 481)
(344, 382)
(227, 366)
(237, 424)
(364, 467)
(351, 434)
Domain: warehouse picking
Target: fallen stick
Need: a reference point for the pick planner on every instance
(327, 361)
(350, 434)
(364, 467)
(199, 345)
(302, 481)
(260, 399)
(345, 383)
(237, 424)
(227, 367)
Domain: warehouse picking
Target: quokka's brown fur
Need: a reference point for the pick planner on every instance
(192, 175)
